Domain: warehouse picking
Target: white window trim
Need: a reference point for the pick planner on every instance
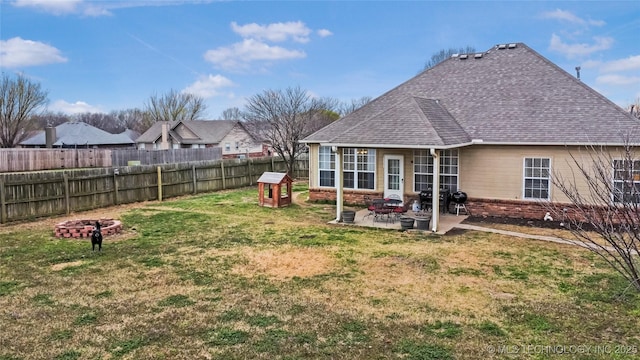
(613, 178)
(333, 156)
(440, 152)
(525, 178)
(356, 169)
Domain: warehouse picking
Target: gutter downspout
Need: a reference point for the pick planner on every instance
(339, 183)
(435, 206)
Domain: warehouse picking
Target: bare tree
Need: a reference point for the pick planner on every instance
(20, 98)
(232, 113)
(49, 118)
(355, 104)
(604, 215)
(175, 106)
(444, 54)
(634, 109)
(133, 119)
(102, 121)
(283, 117)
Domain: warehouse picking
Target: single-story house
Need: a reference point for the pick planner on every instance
(494, 124)
(230, 135)
(80, 135)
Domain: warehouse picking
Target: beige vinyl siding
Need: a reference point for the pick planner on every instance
(486, 171)
(379, 177)
(313, 165)
(184, 132)
(246, 144)
(496, 172)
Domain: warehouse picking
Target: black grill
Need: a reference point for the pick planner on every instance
(459, 197)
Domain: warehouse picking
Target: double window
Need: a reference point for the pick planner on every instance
(358, 172)
(537, 178)
(359, 168)
(423, 170)
(626, 181)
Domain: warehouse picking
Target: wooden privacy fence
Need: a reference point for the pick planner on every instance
(13, 160)
(25, 196)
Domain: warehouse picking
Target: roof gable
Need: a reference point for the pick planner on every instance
(510, 95)
(80, 133)
(191, 132)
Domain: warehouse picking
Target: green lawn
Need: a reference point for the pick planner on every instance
(216, 276)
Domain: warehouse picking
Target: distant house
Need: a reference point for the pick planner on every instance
(495, 124)
(230, 135)
(78, 135)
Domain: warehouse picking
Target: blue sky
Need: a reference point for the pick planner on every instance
(98, 56)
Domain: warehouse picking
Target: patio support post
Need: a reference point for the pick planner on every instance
(339, 183)
(435, 206)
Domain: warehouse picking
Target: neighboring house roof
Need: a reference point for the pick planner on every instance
(204, 131)
(80, 134)
(131, 134)
(507, 95)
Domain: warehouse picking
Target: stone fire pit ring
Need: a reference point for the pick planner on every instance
(83, 228)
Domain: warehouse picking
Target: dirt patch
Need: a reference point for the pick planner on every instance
(61, 266)
(535, 223)
(287, 264)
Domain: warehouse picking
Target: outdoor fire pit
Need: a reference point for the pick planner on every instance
(83, 228)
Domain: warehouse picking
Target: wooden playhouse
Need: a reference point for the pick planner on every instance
(274, 189)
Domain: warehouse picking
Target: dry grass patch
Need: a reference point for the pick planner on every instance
(285, 263)
(222, 285)
(61, 266)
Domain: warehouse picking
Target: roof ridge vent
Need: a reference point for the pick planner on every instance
(478, 56)
(502, 46)
(464, 56)
(513, 46)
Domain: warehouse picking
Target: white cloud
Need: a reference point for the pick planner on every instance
(568, 16)
(276, 32)
(208, 86)
(617, 80)
(239, 55)
(65, 7)
(324, 33)
(77, 107)
(578, 50)
(56, 7)
(630, 63)
(17, 52)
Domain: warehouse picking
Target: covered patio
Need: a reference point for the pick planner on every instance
(446, 221)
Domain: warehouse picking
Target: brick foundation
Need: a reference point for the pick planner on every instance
(84, 228)
(476, 207)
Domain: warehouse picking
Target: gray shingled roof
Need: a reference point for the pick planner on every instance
(506, 96)
(206, 131)
(80, 134)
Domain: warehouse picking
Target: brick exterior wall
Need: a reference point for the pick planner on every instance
(476, 207)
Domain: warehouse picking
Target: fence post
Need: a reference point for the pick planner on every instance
(249, 171)
(224, 186)
(3, 203)
(159, 183)
(67, 204)
(115, 188)
(195, 182)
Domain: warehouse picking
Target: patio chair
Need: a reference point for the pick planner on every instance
(380, 211)
(369, 202)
